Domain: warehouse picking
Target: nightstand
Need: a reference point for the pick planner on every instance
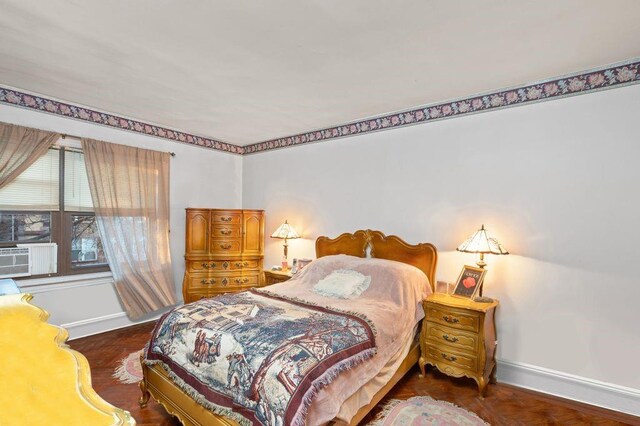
(275, 277)
(458, 337)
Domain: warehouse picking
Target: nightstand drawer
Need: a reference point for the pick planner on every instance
(450, 336)
(456, 318)
(453, 358)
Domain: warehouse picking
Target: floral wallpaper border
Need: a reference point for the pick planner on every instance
(605, 78)
(581, 83)
(39, 103)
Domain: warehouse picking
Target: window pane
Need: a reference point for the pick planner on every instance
(17, 227)
(86, 246)
(37, 188)
(77, 196)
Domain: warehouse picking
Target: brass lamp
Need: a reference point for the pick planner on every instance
(285, 232)
(480, 242)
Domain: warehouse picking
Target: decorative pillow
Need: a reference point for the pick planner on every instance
(343, 284)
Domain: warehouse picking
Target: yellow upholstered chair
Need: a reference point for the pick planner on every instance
(42, 380)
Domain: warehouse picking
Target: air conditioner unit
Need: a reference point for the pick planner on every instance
(14, 262)
(43, 258)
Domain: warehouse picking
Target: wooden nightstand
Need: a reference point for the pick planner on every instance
(458, 337)
(275, 277)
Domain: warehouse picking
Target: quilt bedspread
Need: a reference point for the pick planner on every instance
(256, 357)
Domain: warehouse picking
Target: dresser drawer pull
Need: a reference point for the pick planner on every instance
(449, 339)
(242, 280)
(225, 281)
(226, 218)
(211, 281)
(242, 264)
(208, 265)
(225, 246)
(450, 358)
(452, 320)
(226, 231)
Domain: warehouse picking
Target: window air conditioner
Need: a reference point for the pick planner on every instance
(29, 259)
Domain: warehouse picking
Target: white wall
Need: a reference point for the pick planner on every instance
(199, 178)
(556, 182)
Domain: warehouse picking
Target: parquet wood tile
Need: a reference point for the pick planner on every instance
(503, 404)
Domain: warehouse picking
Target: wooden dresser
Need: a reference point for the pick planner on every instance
(224, 252)
(459, 338)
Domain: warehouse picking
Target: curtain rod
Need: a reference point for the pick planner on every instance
(65, 136)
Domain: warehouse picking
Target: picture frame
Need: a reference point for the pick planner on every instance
(469, 282)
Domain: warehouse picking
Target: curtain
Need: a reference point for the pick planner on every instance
(130, 192)
(20, 147)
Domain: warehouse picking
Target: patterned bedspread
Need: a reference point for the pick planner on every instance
(258, 357)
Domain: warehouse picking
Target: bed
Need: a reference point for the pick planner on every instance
(162, 383)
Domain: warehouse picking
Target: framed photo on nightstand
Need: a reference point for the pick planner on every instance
(469, 282)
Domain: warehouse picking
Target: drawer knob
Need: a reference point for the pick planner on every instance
(242, 264)
(449, 339)
(242, 280)
(225, 231)
(450, 358)
(449, 319)
(208, 265)
(225, 281)
(225, 246)
(226, 218)
(211, 281)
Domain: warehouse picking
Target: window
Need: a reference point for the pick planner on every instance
(51, 202)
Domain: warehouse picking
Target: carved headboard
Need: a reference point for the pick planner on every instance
(423, 256)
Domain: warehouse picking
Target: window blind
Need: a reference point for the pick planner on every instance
(77, 195)
(37, 188)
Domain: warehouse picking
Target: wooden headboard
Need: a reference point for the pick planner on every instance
(423, 256)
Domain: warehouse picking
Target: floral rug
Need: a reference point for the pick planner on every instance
(423, 410)
(129, 369)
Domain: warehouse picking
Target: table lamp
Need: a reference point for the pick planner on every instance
(285, 232)
(480, 242)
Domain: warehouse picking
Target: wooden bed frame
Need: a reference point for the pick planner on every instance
(156, 381)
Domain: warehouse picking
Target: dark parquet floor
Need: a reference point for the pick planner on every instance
(503, 404)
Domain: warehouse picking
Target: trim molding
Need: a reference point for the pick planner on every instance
(19, 98)
(611, 76)
(91, 326)
(582, 389)
(622, 74)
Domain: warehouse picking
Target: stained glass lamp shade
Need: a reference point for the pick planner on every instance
(480, 242)
(285, 232)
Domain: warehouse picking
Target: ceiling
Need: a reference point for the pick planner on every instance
(245, 71)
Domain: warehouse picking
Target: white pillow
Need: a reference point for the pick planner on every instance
(343, 284)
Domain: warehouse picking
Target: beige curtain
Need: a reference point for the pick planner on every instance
(130, 193)
(20, 147)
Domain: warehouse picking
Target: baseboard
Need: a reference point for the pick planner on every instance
(91, 326)
(593, 392)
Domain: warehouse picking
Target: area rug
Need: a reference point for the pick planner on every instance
(423, 410)
(129, 369)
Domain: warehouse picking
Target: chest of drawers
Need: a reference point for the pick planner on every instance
(458, 337)
(224, 251)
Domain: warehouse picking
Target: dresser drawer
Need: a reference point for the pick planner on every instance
(456, 318)
(453, 358)
(226, 246)
(224, 265)
(222, 281)
(226, 231)
(455, 338)
(226, 217)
